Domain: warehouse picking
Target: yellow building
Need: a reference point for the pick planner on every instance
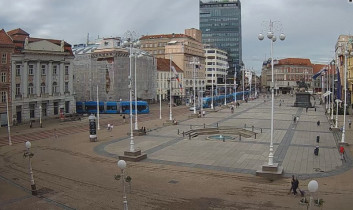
(345, 43)
(186, 51)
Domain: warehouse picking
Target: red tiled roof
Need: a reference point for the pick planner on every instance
(5, 39)
(169, 36)
(17, 31)
(19, 36)
(318, 67)
(163, 65)
(295, 61)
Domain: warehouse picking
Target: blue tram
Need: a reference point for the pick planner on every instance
(219, 100)
(111, 107)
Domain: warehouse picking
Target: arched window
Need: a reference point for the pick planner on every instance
(42, 88)
(55, 87)
(30, 88)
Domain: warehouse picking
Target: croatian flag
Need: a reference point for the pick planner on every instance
(319, 73)
(176, 74)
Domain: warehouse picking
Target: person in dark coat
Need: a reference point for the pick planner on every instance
(295, 186)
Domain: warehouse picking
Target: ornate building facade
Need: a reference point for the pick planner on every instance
(42, 77)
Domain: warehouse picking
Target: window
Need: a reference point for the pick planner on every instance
(4, 58)
(18, 89)
(30, 70)
(42, 88)
(3, 96)
(31, 110)
(55, 69)
(3, 77)
(56, 108)
(30, 88)
(43, 69)
(66, 87)
(55, 87)
(18, 70)
(44, 109)
(66, 70)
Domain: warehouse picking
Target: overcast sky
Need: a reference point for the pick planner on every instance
(311, 26)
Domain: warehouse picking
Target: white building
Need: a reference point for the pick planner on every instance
(42, 77)
(216, 67)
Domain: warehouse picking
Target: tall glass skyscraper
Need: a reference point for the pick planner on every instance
(220, 23)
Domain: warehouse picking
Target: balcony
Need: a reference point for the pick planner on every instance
(19, 96)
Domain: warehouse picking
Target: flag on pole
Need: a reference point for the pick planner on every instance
(338, 95)
(319, 73)
(176, 74)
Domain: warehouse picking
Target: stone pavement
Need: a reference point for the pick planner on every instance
(294, 142)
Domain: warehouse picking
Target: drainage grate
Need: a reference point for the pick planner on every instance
(173, 181)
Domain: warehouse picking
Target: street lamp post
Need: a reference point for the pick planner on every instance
(30, 155)
(225, 89)
(40, 116)
(135, 82)
(98, 126)
(272, 37)
(130, 44)
(346, 54)
(8, 118)
(243, 84)
(170, 88)
(194, 62)
(313, 186)
(212, 89)
(332, 63)
(235, 87)
(122, 166)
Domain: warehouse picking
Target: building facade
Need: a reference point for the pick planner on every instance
(7, 48)
(345, 43)
(220, 23)
(42, 77)
(186, 51)
(164, 73)
(106, 66)
(287, 73)
(216, 68)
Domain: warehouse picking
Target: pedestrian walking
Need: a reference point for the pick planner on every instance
(342, 153)
(295, 186)
(307, 109)
(124, 119)
(203, 112)
(318, 123)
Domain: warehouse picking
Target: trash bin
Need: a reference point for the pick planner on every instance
(316, 150)
(317, 139)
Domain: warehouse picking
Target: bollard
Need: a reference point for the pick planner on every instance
(317, 139)
(252, 128)
(255, 135)
(217, 125)
(204, 125)
(261, 130)
(178, 131)
(189, 136)
(239, 137)
(183, 134)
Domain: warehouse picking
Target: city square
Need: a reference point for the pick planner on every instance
(179, 172)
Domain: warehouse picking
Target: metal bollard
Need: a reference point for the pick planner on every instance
(252, 128)
(261, 130)
(217, 125)
(204, 125)
(239, 137)
(183, 134)
(189, 136)
(178, 131)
